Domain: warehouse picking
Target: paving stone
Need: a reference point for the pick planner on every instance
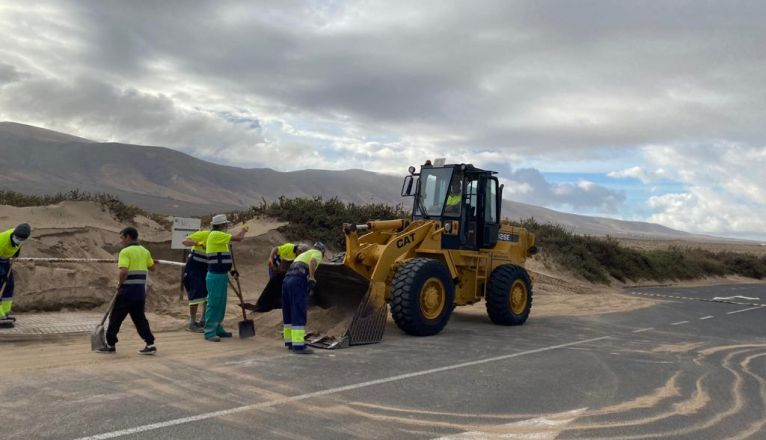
(35, 325)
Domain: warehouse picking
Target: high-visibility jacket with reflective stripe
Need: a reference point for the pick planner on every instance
(218, 253)
(137, 259)
(7, 249)
(199, 251)
(199, 237)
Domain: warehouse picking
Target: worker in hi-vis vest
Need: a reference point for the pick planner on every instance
(284, 253)
(195, 272)
(134, 263)
(454, 196)
(217, 280)
(298, 282)
(10, 246)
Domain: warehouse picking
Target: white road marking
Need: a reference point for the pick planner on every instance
(680, 322)
(706, 317)
(744, 310)
(641, 330)
(725, 298)
(539, 428)
(270, 403)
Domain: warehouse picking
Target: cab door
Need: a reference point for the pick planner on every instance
(489, 219)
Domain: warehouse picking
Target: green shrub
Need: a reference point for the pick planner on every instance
(112, 204)
(317, 219)
(597, 259)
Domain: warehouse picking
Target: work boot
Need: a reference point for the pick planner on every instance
(225, 334)
(148, 350)
(107, 349)
(213, 339)
(306, 350)
(7, 323)
(195, 328)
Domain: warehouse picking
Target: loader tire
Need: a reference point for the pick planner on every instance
(422, 297)
(509, 295)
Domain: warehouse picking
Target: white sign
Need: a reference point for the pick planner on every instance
(183, 226)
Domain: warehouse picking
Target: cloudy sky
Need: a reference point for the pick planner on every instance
(650, 111)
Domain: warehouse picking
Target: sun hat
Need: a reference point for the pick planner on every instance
(219, 219)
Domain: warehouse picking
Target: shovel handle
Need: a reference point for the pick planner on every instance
(238, 289)
(110, 307)
(241, 301)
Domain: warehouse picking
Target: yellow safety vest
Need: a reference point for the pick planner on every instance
(199, 237)
(218, 253)
(311, 254)
(7, 249)
(137, 259)
(286, 251)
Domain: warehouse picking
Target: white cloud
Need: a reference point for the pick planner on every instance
(530, 186)
(381, 85)
(726, 188)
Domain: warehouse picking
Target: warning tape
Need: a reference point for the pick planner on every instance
(688, 298)
(88, 260)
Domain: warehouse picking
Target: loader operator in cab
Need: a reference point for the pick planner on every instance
(299, 280)
(454, 196)
(10, 247)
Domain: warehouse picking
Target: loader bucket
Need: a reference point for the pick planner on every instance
(341, 312)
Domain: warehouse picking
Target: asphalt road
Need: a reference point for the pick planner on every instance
(685, 368)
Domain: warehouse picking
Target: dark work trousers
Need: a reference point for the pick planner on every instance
(127, 305)
(6, 298)
(295, 295)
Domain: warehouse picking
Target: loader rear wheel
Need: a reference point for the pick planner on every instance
(422, 297)
(509, 295)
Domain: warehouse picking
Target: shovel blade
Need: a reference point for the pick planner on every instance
(246, 329)
(98, 338)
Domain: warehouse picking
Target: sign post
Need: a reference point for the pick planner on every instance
(183, 226)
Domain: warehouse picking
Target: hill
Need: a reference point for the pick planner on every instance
(162, 180)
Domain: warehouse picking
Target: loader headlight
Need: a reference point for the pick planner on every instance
(411, 169)
(448, 227)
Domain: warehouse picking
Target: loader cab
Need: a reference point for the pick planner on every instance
(465, 199)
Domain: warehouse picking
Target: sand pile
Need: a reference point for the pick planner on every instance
(85, 230)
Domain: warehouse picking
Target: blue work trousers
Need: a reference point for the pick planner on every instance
(295, 295)
(217, 283)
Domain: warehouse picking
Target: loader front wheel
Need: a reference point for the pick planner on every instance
(422, 297)
(509, 295)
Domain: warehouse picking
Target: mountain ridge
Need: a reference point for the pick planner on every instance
(163, 180)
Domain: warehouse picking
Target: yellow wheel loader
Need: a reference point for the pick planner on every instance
(453, 251)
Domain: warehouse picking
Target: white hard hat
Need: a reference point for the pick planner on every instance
(219, 219)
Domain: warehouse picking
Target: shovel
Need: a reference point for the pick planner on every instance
(98, 337)
(246, 326)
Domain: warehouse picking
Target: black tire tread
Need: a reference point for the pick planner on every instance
(498, 290)
(405, 301)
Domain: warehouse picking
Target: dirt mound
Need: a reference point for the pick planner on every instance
(85, 230)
